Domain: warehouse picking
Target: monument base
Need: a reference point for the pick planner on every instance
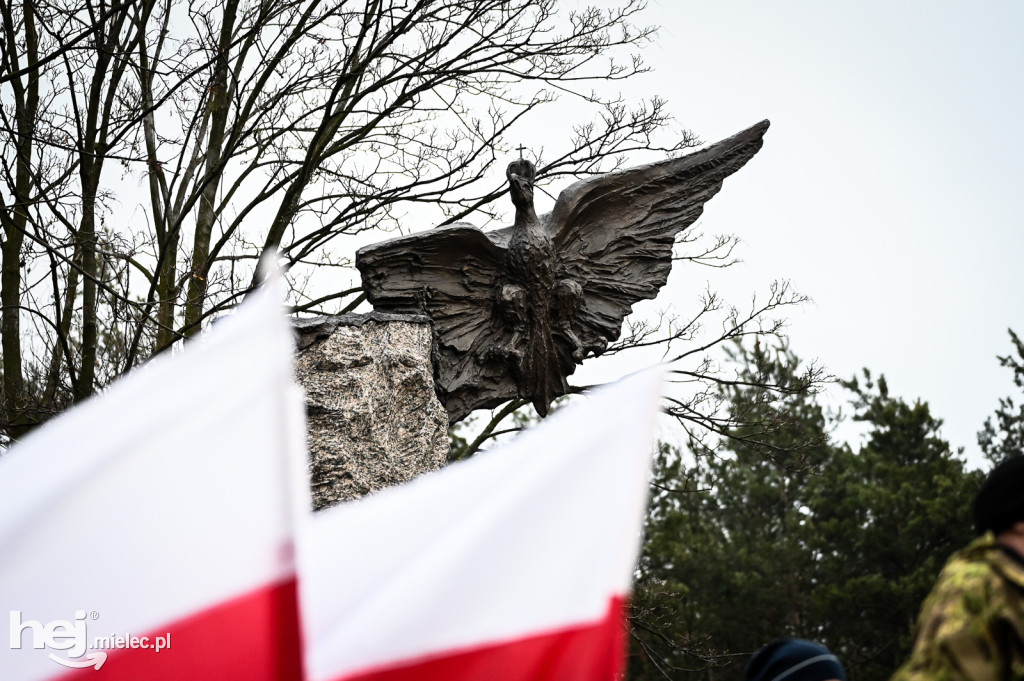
(374, 419)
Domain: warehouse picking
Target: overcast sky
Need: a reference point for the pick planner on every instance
(889, 185)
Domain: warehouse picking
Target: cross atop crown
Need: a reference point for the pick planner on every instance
(521, 147)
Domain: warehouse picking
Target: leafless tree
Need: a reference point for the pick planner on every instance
(152, 150)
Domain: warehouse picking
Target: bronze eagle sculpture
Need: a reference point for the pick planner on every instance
(514, 310)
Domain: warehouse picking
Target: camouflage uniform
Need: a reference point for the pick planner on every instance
(972, 623)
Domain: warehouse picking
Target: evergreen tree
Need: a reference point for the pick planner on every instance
(885, 519)
(1005, 437)
(826, 542)
(724, 560)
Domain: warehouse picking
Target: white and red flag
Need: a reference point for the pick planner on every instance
(150, 533)
(512, 566)
(146, 535)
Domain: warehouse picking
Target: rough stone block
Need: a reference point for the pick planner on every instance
(373, 415)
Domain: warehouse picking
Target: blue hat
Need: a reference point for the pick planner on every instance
(793, 659)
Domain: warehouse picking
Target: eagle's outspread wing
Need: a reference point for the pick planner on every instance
(613, 234)
(450, 274)
(515, 310)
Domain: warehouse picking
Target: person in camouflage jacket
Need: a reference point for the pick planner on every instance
(972, 623)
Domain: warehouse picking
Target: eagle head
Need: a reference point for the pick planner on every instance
(521, 174)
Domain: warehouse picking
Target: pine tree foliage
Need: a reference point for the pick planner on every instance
(828, 542)
(886, 518)
(1004, 437)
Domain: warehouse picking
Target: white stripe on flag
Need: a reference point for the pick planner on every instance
(536, 536)
(162, 496)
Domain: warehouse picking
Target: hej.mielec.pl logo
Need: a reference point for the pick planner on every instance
(73, 636)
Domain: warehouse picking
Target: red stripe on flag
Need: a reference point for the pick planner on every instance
(592, 652)
(254, 637)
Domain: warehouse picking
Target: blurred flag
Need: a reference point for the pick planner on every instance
(512, 566)
(147, 533)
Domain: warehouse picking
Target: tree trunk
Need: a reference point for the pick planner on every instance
(16, 221)
(220, 102)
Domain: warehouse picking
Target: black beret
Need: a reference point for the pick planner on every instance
(1000, 501)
